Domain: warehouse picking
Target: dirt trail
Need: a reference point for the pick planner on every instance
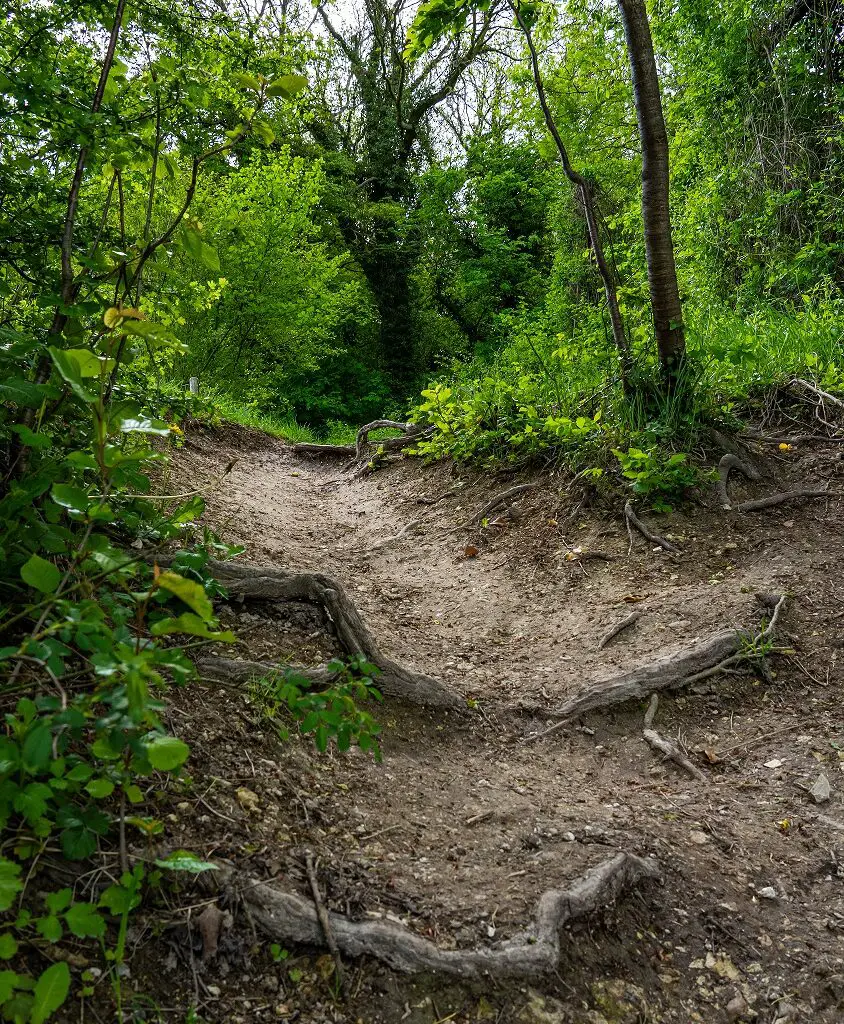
(464, 824)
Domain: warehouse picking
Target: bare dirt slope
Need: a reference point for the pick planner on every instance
(466, 822)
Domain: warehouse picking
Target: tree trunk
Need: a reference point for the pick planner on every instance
(622, 342)
(659, 247)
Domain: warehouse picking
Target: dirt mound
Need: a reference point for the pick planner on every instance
(465, 823)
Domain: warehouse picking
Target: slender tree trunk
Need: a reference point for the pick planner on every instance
(659, 246)
(622, 342)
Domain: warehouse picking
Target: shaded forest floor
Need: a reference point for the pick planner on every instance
(466, 822)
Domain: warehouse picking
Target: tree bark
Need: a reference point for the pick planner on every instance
(659, 246)
(622, 342)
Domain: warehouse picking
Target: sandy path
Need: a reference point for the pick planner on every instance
(518, 625)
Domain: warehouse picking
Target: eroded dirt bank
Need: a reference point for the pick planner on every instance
(466, 822)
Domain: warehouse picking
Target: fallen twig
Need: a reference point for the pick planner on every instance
(619, 627)
(490, 506)
(756, 740)
(667, 747)
(325, 922)
(633, 520)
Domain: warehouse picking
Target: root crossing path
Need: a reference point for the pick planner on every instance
(464, 826)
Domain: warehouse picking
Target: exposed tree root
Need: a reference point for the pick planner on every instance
(263, 583)
(633, 521)
(286, 917)
(233, 670)
(396, 536)
(410, 434)
(730, 462)
(667, 747)
(619, 627)
(725, 466)
(498, 500)
(671, 672)
(780, 499)
(411, 431)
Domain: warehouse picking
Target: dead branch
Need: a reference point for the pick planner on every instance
(823, 396)
(324, 920)
(633, 520)
(265, 583)
(286, 917)
(670, 749)
(306, 448)
(670, 672)
(619, 627)
(728, 463)
(490, 506)
(755, 435)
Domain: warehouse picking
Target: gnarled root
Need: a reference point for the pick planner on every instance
(410, 434)
(725, 466)
(691, 665)
(633, 521)
(730, 462)
(263, 583)
(286, 917)
(758, 504)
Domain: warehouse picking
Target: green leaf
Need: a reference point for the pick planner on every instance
(40, 574)
(142, 425)
(200, 249)
(49, 928)
(184, 860)
(29, 438)
(99, 789)
(50, 992)
(8, 946)
(80, 773)
(246, 81)
(85, 922)
(167, 752)
(287, 86)
(74, 364)
(154, 333)
(120, 899)
(37, 748)
(133, 794)
(22, 392)
(74, 499)
(263, 131)
(191, 625)
(8, 980)
(58, 901)
(188, 591)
